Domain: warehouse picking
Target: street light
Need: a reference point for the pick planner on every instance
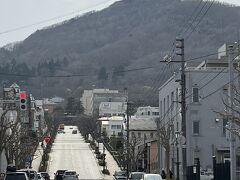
(149, 161)
(177, 133)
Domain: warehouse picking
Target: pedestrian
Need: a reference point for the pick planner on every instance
(170, 174)
(163, 174)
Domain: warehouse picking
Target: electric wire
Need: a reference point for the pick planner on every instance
(188, 36)
(190, 17)
(54, 18)
(194, 19)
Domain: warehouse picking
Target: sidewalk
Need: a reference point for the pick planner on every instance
(112, 165)
(37, 158)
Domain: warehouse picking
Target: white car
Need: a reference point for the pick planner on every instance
(152, 177)
(70, 175)
(40, 176)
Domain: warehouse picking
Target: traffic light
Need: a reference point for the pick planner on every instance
(23, 101)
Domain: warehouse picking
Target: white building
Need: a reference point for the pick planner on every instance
(147, 112)
(109, 109)
(112, 126)
(206, 87)
(91, 99)
(39, 116)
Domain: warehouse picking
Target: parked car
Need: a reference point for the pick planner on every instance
(136, 175)
(59, 174)
(31, 173)
(74, 131)
(16, 176)
(45, 175)
(60, 131)
(120, 175)
(152, 177)
(40, 176)
(206, 175)
(70, 175)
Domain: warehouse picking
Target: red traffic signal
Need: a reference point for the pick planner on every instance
(22, 95)
(23, 100)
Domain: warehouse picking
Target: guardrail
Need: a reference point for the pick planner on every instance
(119, 161)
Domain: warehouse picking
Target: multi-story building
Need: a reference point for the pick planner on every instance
(39, 117)
(147, 112)
(91, 99)
(109, 109)
(142, 131)
(206, 89)
(112, 126)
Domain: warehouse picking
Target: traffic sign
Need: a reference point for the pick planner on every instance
(28, 158)
(46, 139)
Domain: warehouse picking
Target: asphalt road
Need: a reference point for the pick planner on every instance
(70, 152)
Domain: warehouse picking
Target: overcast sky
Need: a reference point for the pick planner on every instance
(20, 18)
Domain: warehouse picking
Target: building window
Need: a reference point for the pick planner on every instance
(139, 135)
(116, 127)
(177, 95)
(196, 127)
(164, 106)
(195, 94)
(109, 99)
(160, 108)
(172, 99)
(148, 113)
(155, 113)
(168, 103)
(133, 135)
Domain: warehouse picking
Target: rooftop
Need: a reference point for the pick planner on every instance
(142, 125)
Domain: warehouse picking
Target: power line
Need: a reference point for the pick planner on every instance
(207, 55)
(195, 18)
(200, 20)
(75, 75)
(190, 17)
(51, 19)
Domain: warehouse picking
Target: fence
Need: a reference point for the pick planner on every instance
(193, 172)
(221, 171)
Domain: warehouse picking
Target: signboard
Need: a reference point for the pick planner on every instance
(46, 139)
(28, 158)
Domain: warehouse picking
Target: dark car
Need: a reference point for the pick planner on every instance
(45, 175)
(74, 131)
(16, 176)
(120, 175)
(136, 175)
(59, 174)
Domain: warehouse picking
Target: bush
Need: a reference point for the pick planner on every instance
(99, 156)
(101, 162)
(106, 171)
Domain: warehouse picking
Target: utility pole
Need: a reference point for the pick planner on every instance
(128, 149)
(180, 45)
(231, 112)
(158, 145)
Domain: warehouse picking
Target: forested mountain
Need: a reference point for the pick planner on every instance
(130, 34)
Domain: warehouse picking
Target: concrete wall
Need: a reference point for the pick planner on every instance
(211, 138)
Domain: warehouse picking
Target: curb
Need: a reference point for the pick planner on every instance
(96, 160)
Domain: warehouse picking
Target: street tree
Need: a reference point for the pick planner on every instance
(135, 151)
(166, 129)
(8, 132)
